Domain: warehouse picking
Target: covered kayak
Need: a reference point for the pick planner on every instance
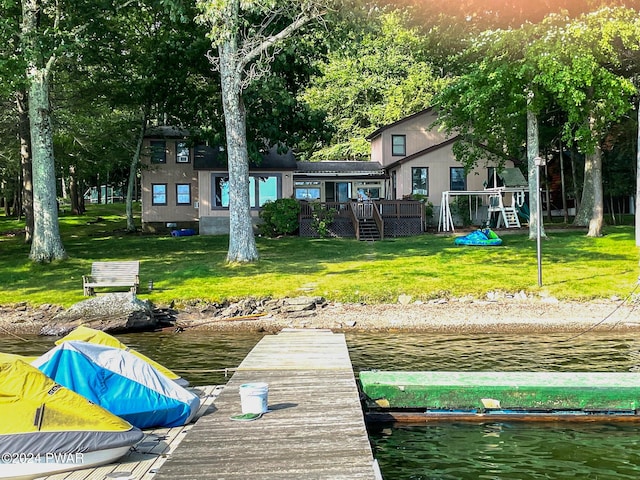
(48, 429)
(486, 237)
(121, 382)
(517, 393)
(10, 357)
(91, 335)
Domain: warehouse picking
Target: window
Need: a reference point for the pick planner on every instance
(183, 194)
(368, 190)
(420, 181)
(337, 191)
(493, 179)
(159, 194)
(458, 179)
(182, 152)
(261, 190)
(220, 191)
(398, 145)
(158, 151)
(307, 190)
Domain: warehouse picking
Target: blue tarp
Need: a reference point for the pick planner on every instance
(480, 237)
(119, 381)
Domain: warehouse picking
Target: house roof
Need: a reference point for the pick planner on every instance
(341, 167)
(166, 131)
(214, 158)
(379, 131)
(277, 161)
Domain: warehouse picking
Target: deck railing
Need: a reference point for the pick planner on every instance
(378, 210)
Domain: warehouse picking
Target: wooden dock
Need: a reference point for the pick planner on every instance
(314, 428)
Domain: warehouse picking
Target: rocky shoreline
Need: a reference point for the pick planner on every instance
(465, 315)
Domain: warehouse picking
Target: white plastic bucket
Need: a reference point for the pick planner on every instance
(253, 397)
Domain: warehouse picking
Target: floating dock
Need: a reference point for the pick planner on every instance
(417, 396)
(314, 427)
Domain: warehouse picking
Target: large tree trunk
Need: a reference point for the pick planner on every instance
(638, 182)
(25, 161)
(74, 193)
(533, 150)
(563, 188)
(133, 171)
(242, 244)
(46, 245)
(591, 211)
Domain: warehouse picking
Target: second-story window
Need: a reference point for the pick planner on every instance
(182, 152)
(398, 145)
(158, 151)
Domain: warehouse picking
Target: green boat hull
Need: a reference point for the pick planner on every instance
(503, 391)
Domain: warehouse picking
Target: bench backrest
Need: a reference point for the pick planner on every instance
(127, 269)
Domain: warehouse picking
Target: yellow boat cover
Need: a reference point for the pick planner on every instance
(10, 357)
(86, 334)
(40, 416)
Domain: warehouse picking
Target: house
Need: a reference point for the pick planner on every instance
(186, 186)
(419, 160)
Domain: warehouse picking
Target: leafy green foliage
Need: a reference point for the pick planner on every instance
(377, 73)
(322, 218)
(12, 65)
(577, 63)
(280, 217)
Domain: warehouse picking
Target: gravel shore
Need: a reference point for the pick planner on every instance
(459, 316)
(455, 316)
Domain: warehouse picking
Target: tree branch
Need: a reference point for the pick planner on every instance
(270, 41)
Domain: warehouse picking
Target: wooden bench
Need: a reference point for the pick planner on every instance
(112, 274)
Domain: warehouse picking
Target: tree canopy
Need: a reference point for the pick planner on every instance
(378, 74)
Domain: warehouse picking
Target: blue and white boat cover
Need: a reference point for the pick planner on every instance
(121, 382)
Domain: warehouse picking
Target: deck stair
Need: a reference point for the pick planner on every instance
(368, 230)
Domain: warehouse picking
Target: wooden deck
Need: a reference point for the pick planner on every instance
(144, 461)
(314, 428)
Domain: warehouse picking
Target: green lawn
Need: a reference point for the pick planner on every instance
(425, 267)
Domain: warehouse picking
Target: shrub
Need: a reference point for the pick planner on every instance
(280, 217)
(428, 207)
(322, 218)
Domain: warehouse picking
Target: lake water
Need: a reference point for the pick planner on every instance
(493, 450)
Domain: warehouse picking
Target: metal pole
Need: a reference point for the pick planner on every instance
(539, 162)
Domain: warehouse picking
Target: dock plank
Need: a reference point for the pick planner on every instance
(314, 428)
